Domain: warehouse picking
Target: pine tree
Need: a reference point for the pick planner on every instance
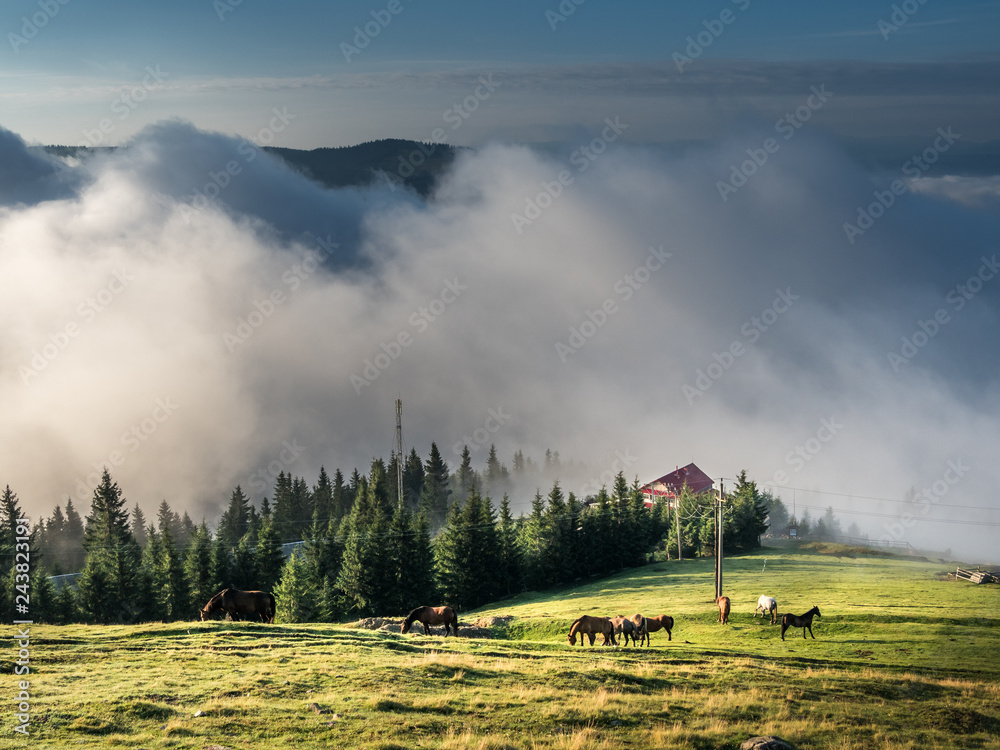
(235, 521)
(244, 569)
(295, 595)
(509, 570)
(343, 497)
(434, 500)
(322, 497)
(222, 571)
(496, 479)
(364, 577)
(16, 538)
(73, 548)
(138, 525)
(466, 479)
(413, 481)
(111, 581)
(198, 568)
(270, 559)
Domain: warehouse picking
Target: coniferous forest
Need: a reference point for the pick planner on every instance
(453, 538)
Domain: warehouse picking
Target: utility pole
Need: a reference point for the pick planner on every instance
(677, 523)
(718, 538)
(399, 450)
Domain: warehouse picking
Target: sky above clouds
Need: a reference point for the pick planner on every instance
(644, 261)
(226, 64)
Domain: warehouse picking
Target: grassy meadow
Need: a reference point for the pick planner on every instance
(903, 658)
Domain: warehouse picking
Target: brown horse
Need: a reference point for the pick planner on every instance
(591, 626)
(428, 616)
(639, 629)
(625, 628)
(799, 621)
(662, 622)
(723, 602)
(237, 603)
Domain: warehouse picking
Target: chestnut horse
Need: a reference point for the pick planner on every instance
(652, 624)
(591, 626)
(767, 604)
(723, 602)
(799, 621)
(237, 603)
(428, 616)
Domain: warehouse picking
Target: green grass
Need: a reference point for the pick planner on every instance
(901, 659)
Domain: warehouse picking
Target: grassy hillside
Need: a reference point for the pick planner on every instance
(901, 659)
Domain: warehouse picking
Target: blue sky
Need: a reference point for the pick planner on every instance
(227, 64)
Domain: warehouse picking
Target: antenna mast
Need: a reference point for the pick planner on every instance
(399, 450)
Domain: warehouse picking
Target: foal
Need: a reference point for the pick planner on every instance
(799, 621)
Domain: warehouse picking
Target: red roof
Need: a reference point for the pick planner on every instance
(671, 484)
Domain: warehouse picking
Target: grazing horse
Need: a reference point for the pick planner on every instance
(591, 626)
(767, 604)
(237, 603)
(662, 622)
(639, 628)
(625, 628)
(723, 602)
(428, 616)
(799, 621)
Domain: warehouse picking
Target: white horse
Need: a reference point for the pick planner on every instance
(767, 604)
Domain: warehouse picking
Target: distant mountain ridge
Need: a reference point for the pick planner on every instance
(412, 163)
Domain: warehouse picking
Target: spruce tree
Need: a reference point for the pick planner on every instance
(509, 578)
(413, 481)
(138, 525)
(295, 595)
(198, 568)
(434, 499)
(110, 583)
(322, 497)
(270, 559)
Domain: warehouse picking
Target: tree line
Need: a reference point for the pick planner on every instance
(363, 551)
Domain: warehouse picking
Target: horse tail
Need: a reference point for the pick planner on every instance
(274, 608)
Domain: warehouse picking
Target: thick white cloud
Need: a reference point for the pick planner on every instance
(198, 343)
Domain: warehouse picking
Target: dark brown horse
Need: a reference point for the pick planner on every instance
(652, 624)
(799, 621)
(723, 602)
(591, 626)
(428, 616)
(236, 603)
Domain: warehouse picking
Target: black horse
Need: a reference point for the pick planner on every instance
(799, 621)
(257, 604)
